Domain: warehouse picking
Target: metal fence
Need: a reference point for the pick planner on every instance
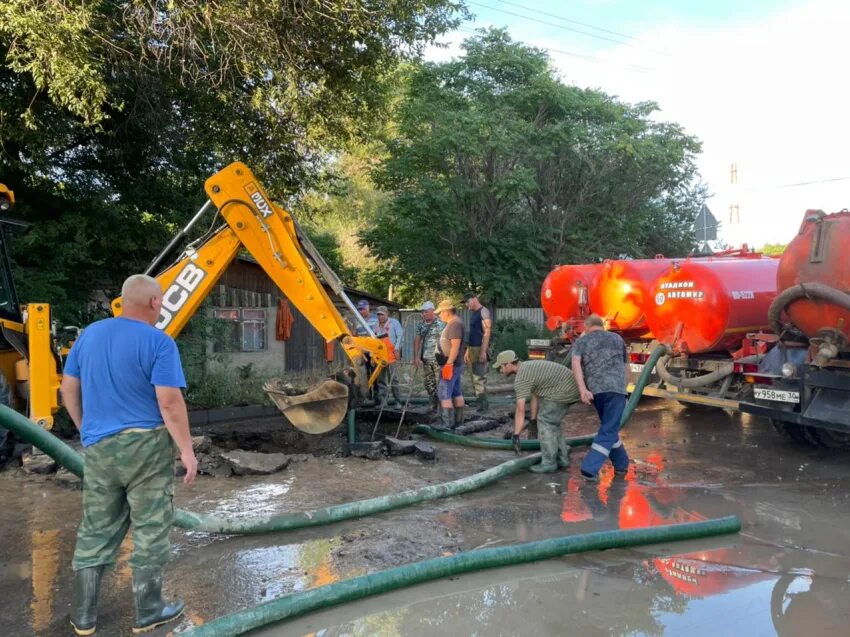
(411, 318)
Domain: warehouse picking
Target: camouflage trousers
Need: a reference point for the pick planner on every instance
(129, 478)
(430, 378)
(553, 445)
(479, 373)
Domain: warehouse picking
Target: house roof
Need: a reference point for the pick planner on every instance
(353, 293)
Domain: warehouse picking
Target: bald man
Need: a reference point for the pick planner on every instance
(122, 387)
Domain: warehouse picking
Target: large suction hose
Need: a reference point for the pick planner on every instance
(303, 602)
(819, 291)
(534, 444)
(696, 381)
(69, 458)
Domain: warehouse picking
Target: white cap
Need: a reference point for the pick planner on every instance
(427, 305)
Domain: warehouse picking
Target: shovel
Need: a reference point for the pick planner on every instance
(319, 410)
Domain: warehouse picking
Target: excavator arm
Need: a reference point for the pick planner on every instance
(251, 221)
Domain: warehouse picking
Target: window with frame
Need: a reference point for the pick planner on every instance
(240, 330)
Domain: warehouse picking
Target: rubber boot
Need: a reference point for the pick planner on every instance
(435, 404)
(481, 403)
(549, 450)
(84, 617)
(458, 420)
(447, 420)
(563, 451)
(151, 609)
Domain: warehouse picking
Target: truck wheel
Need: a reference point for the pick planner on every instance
(832, 439)
(790, 429)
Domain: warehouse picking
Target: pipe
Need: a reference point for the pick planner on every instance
(819, 291)
(302, 602)
(352, 427)
(67, 457)
(533, 444)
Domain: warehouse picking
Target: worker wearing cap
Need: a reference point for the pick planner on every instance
(424, 350)
(477, 354)
(551, 389)
(449, 355)
(599, 362)
(389, 328)
(365, 312)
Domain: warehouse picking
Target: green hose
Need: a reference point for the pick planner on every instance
(533, 444)
(351, 510)
(302, 602)
(66, 456)
(493, 443)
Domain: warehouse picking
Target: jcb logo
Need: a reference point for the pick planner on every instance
(258, 199)
(178, 293)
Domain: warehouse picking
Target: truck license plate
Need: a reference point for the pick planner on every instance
(637, 368)
(765, 393)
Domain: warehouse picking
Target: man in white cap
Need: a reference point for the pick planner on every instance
(425, 350)
(551, 388)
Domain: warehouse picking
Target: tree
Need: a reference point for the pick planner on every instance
(113, 114)
(774, 249)
(498, 171)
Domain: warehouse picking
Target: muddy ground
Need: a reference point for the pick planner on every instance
(785, 574)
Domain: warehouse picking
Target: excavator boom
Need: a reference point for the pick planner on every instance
(254, 223)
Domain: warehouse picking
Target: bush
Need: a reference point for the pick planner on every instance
(513, 333)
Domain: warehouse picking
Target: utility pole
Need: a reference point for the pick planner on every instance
(734, 210)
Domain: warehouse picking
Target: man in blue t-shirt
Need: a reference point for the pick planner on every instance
(122, 388)
(478, 352)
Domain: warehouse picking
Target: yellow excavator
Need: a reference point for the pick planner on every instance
(244, 218)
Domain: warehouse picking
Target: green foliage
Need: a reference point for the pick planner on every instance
(113, 113)
(774, 249)
(225, 387)
(497, 171)
(513, 334)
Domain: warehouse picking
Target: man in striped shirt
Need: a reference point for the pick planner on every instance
(551, 389)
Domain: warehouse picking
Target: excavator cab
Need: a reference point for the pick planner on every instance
(243, 217)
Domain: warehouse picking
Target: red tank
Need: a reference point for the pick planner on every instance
(620, 293)
(564, 295)
(709, 305)
(818, 254)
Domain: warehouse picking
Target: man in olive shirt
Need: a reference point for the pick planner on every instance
(552, 389)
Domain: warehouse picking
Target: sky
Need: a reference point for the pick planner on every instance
(761, 83)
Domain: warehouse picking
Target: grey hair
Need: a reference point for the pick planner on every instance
(594, 320)
(139, 288)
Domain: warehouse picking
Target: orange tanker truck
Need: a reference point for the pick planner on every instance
(805, 381)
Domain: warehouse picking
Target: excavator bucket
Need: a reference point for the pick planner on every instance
(319, 410)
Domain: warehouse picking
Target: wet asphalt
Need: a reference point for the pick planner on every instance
(787, 573)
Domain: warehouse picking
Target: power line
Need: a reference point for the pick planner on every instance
(589, 58)
(810, 183)
(560, 26)
(563, 19)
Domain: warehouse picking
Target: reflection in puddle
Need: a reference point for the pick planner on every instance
(251, 500)
(264, 573)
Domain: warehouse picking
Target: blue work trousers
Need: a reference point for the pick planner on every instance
(607, 443)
